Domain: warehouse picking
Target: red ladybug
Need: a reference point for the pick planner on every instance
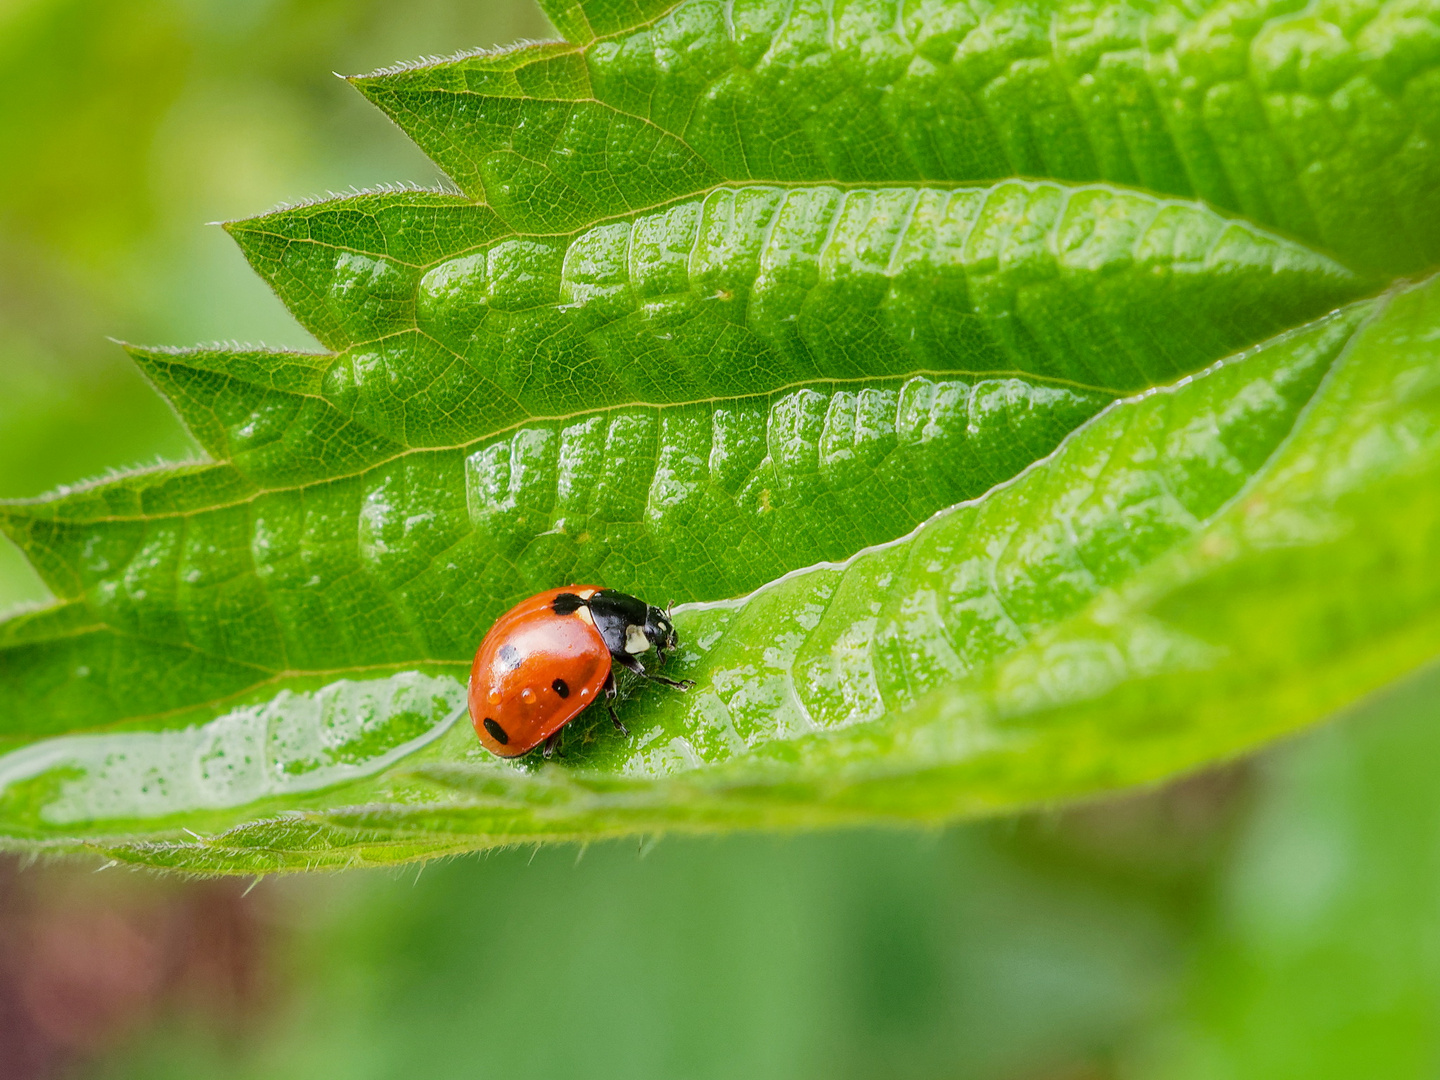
(549, 657)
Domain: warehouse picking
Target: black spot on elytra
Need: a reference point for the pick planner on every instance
(566, 603)
(497, 732)
(560, 687)
(508, 657)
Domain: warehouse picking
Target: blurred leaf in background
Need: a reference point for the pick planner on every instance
(973, 953)
(1320, 957)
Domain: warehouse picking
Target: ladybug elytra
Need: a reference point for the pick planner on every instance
(549, 657)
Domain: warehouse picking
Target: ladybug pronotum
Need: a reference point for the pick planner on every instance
(549, 657)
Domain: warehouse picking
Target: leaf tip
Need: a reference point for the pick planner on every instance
(370, 89)
(145, 356)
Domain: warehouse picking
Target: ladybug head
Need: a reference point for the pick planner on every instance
(659, 630)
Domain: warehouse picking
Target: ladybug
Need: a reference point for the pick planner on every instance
(549, 657)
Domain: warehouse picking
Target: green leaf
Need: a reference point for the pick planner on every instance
(1323, 122)
(975, 495)
(383, 506)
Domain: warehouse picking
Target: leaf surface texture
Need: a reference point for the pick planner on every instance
(1018, 400)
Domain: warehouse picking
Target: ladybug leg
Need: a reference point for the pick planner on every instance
(550, 744)
(610, 692)
(633, 664)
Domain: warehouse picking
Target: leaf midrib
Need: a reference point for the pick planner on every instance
(1161, 199)
(161, 470)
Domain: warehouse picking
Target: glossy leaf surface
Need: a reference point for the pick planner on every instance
(975, 492)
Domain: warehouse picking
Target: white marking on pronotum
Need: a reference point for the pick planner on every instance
(635, 639)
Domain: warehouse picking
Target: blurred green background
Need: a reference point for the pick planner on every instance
(1277, 919)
